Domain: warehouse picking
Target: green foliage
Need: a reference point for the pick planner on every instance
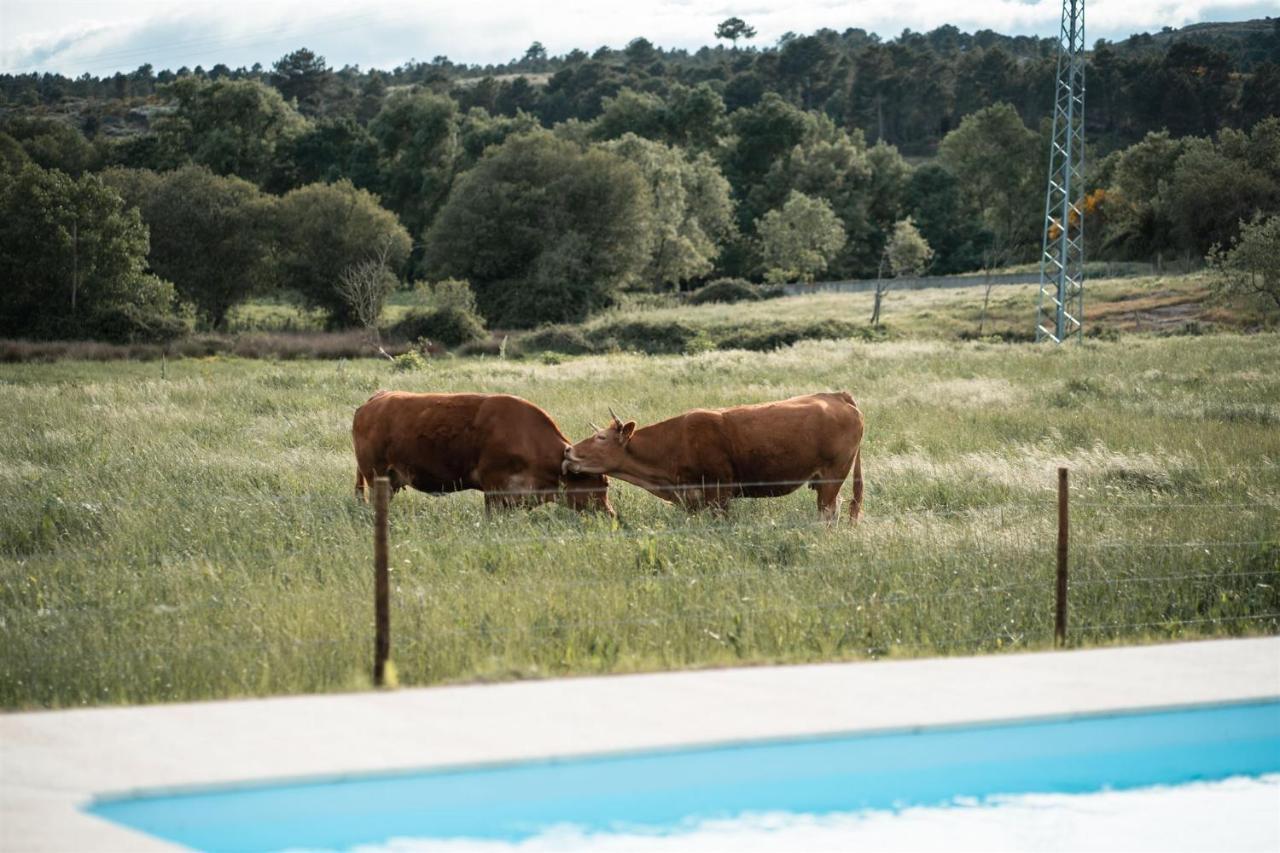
(734, 29)
(1251, 267)
(691, 212)
(323, 229)
(1216, 186)
(231, 126)
(448, 316)
(800, 239)
(72, 261)
(449, 293)
(329, 150)
(997, 160)
(726, 290)
(52, 144)
(936, 202)
(209, 234)
(641, 114)
(12, 155)
(302, 76)
(908, 253)
(449, 326)
(417, 140)
(765, 337)
(544, 231)
(655, 337)
(411, 361)
(562, 339)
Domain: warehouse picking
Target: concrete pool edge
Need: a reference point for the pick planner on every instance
(54, 763)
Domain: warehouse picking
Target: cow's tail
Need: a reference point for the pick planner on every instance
(855, 505)
(360, 484)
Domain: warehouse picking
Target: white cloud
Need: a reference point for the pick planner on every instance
(74, 36)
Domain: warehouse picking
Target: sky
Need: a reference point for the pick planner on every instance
(101, 37)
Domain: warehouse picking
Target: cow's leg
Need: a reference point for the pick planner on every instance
(829, 497)
(855, 505)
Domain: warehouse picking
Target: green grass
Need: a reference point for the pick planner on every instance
(194, 536)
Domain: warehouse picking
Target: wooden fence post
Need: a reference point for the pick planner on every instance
(381, 584)
(1060, 620)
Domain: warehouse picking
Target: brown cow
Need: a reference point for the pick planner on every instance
(704, 457)
(505, 446)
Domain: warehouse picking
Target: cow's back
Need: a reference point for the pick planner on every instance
(447, 442)
(789, 440)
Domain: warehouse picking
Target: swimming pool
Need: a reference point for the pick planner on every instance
(663, 791)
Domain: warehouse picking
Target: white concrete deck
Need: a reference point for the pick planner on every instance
(53, 763)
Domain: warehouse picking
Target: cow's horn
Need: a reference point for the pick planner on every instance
(594, 428)
(615, 417)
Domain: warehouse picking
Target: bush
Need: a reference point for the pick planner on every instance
(725, 290)
(450, 326)
(563, 339)
(408, 361)
(775, 336)
(647, 336)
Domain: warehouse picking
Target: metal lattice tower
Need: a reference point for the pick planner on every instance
(1060, 311)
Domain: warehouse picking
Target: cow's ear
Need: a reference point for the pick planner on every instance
(625, 431)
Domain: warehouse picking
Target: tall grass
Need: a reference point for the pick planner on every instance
(195, 535)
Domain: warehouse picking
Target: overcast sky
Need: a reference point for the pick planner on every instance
(104, 36)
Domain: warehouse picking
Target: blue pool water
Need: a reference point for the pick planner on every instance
(662, 791)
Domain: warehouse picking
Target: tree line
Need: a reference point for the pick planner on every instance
(236, 190)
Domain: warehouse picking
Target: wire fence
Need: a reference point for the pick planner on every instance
(1228, 584)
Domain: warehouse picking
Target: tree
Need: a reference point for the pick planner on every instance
(323, 229)
(691, 213)
(640, 52)
(302, 77)
(417, 136)
(734, 29)
(328, 150)
(937, 204)
(1138, 223)
(799, 240)
(545, 231)
(231, 126)
(535, 58)
(1251, 267)
(366, 284)
(833, 166)
(72, 262)
(640, 113)
(998, 159)
(209, 234)
(53, 144)
(1215, 187)
(906, 254)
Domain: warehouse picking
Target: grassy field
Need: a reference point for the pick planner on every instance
(192, 534)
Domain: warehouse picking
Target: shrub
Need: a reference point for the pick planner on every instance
(450, 326)
(563, 339)
(407, 361)
(647, 336)
(763, 338)
(725, 290)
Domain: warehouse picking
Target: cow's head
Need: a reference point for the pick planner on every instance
(586, 492)
(603, 452)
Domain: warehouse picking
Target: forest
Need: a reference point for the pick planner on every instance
(146, 205)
